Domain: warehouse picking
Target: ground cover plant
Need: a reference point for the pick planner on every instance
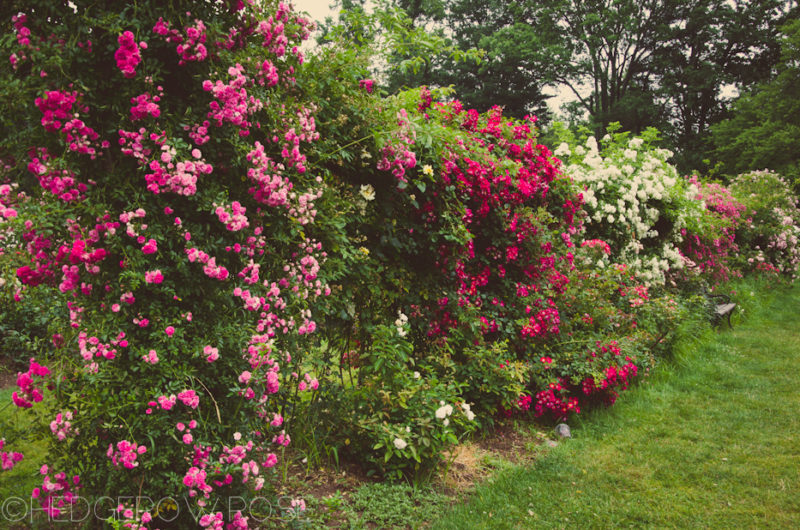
(232, 249)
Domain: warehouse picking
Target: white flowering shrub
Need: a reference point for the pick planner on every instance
(634, 199)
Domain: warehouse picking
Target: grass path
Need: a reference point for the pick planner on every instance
(713, 441)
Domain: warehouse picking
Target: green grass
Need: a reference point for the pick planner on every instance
(20, 481)
(711, 441)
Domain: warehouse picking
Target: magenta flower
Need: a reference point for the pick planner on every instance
(151, 247)
(189, 398)
(127, 55)
(153, 276)
(366, 84)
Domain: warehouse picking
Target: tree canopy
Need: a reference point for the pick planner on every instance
(663, 63)
(764, 129)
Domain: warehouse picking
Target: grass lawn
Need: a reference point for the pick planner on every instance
(712, 441)
(25, 476)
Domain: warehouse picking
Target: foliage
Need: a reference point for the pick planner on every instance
(394, 506)
(763, 129)
(509, 75)
(387, 32)
(401, 419)
(493, 378)
(26, 328)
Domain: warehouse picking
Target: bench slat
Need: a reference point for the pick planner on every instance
(723, 309)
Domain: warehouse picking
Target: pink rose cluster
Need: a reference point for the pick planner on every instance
(6, 211)
(56, 107)
(176, 176)
(145, 105)
(233, 216)
(29, 393)
(397, 154)
(232, 105)
(186, 430)
(211, 269)
(60, 182)
(61, 427)
(190, 44)
(8, 459)
(127, 55)
(56, 492)
(155, 276)
(211, 353)
(126, 453)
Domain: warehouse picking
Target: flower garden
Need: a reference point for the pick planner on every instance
(214, 249)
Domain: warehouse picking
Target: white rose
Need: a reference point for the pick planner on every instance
(368, 192)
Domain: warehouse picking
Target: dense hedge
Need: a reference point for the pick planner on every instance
(236, 245)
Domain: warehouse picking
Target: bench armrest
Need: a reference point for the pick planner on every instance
(724, 297)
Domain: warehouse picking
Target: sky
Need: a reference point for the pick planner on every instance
(318, 9)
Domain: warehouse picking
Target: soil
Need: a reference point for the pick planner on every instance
(464, 467)
(7, 379)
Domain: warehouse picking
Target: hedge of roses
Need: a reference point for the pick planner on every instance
(239, 246)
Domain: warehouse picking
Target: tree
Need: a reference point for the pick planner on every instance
(508, 75)
(720, 44)
(764, 129)
(662, 63)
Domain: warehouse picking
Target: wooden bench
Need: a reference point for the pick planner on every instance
(721, 306)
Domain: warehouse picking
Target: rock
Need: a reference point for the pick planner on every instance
(562, 429)
(551, 443)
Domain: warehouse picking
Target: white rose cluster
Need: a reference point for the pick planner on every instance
(446, 410)
(628, 189)
(467, 411)
(400, 323)
(367, 192)
(443, 412)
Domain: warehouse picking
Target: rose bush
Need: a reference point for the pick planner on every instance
(711, 255)
(769, 238)
(170, 208)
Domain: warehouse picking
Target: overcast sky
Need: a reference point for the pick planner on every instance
(318, 9)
